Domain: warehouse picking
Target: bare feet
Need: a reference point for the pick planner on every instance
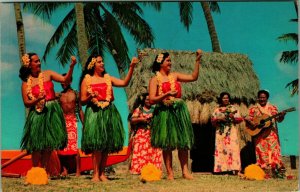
(95, 179)
(103, 178)
(77, 174)
(170, 177)
(187, 176)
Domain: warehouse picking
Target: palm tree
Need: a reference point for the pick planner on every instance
(20, 30)
(292, 55)
(186, 10)
(103, 23)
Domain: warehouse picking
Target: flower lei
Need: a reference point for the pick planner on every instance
(169, 101)
(92, 63)
(26, 60)
(160, 58)
(40, 105)
(101, 104)
(229, 121)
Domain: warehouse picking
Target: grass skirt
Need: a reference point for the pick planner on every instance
(103, 130)
(171, 127)
(45, 130)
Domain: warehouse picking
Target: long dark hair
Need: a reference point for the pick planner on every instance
(156, 65)
(88, 71)
(25, 71)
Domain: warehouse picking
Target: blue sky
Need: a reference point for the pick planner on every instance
(249, 28)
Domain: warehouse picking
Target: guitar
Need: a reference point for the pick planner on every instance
(262, 122)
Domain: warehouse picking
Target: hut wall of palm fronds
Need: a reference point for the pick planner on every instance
(230, 72)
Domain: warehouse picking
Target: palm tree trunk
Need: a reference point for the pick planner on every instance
(81, 33)
(21, 37)
(211, 27)
(20, 30)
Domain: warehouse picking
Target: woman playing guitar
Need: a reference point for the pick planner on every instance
(267, 146)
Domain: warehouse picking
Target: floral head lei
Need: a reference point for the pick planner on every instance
(159, 58)
(26, 60)
(171, 99)
(101, 104)
(40, 105)
(92, 63)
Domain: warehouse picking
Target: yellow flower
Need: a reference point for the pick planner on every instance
(92, 63)
(26, 60)
(150, 172)
(36, 176)
(159, 58)
(254, 172)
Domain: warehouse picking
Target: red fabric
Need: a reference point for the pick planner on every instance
(71, 124)
(166, 86)
(101, 89)
(49, 90)
(143, 153)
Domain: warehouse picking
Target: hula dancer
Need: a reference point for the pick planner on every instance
(103, 131)
(45, 127)
(171, 126)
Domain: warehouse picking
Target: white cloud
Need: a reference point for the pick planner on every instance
(289, 69)
(36, 30)
(6, 67)
(284, 100)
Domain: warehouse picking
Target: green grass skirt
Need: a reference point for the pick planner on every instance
(45, 130)
(103, 130)
(171, 127)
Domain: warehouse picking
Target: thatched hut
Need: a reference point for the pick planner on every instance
(219, 72)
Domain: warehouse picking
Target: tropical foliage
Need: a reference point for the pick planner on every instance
(186, 17)
(290, 56)
(104, 23)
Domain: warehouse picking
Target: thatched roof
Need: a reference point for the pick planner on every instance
(219, 72)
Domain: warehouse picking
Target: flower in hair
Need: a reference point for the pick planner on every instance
(25, 60)
(92, 63)
(160, 58)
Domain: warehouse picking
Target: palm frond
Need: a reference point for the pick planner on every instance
(186, 13)
(214, 7)
(294, 20)
(289, 57)
(115, 41)
(69, 47)
(43, 10)
(293, 87)
(94, 23)
(289, 37)
(59, 32)
(135, 25)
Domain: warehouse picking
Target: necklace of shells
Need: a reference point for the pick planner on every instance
(40, 105)
(101, 104)
(170, 100)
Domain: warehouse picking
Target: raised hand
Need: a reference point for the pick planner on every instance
(198, 54)
(73, 61)
(134, 61)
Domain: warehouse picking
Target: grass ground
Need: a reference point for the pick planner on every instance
(122, 181)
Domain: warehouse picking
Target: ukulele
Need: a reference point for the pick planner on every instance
(262, 122)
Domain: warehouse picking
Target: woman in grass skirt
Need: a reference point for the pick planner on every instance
(103, 131)
(171, 125)
(45, 128)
